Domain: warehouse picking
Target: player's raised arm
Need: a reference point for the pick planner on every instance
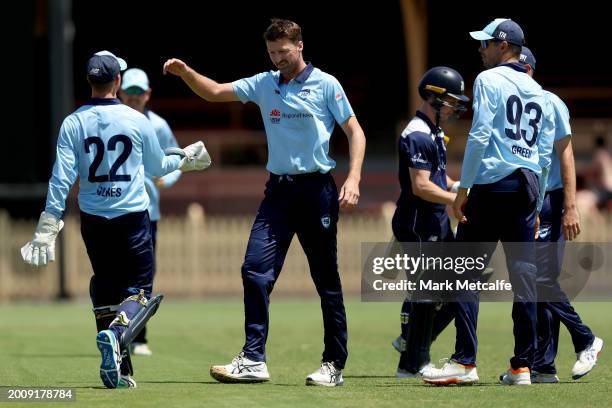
(204, 87)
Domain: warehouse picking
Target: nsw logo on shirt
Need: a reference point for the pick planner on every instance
(275, 116)
(304, 93)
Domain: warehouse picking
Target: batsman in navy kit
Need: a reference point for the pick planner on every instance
(110, 146)
(421, 214)
(505, 166)
(559, 221)
(299, 105)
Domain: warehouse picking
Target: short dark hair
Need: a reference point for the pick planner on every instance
(515, 49)
(280, 29)
(105, 87)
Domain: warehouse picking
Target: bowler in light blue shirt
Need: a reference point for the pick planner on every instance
(300, 106)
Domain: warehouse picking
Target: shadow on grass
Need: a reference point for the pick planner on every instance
(177, 382)
(38, 355)
(369, 376)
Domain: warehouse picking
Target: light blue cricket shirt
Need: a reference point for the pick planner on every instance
(562, 130)
(298, 116)
(166, 139)
(512, 128)
(109, 146)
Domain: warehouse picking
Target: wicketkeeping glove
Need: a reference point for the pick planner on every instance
(194, 157)
(41, 249)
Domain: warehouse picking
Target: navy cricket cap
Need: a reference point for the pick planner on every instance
(103, 67)
(527, 57)
(502, 29)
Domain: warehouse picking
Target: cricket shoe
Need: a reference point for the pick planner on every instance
(543, 378)
(126, 382)
(111, 358)
(140, 349)
(520, 376)
(241, 370)
(401, 373)
(587, 359)
(452, 372)
(399, 344)
(327, 375)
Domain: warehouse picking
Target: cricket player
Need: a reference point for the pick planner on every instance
(136, 93)
(559, 221)
(299, 105)
(505, 165)
(421, 215)
(110, 146)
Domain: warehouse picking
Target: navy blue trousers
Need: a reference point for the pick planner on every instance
(121, 255)
(504, 211)
(142, 336)
(551, 313)
(305, 205)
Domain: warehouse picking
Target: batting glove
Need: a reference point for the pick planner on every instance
(41, 249)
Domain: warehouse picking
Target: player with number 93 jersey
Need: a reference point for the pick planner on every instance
(518, 134)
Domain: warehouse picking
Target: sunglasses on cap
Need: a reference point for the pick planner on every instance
(134, 90)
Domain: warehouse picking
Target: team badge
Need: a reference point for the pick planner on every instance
(304, 93)
(326, 221)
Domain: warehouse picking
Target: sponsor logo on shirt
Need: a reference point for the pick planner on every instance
(417, 158)
(339, 96)
(275, 116)
(299, 115)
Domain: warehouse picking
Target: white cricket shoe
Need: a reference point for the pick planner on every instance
(587, 359)
(328, 375)
(140, 349)
(543, 378)
(126, 382)
(520, 376)
(401, 373)
(451, 373)
(241, 370)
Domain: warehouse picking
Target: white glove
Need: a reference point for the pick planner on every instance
(41, 249)
(196, 157)
(455, 187)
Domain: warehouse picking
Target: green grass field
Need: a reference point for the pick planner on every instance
(53, 345)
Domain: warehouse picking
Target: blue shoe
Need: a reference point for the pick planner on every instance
(111, 358)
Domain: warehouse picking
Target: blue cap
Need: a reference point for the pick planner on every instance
(527, 57)
(104, 66)
(135, 77)
(502, 29)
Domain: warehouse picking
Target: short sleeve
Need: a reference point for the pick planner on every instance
(419, 150)
(247, 89)
(337, 102)
(562, 120)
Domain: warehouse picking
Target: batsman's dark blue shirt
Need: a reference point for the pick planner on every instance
(421, 146)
